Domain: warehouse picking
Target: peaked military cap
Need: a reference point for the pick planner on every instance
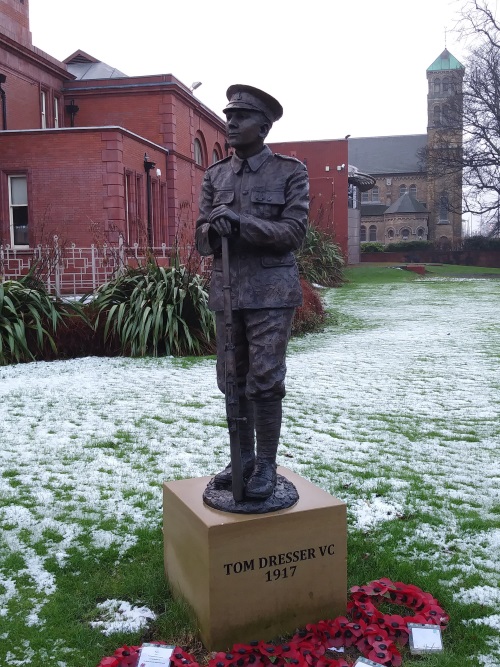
(248, 97)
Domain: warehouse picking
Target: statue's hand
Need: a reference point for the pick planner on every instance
(224, 221)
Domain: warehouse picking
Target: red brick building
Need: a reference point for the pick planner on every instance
(336, 190)
(88, 153)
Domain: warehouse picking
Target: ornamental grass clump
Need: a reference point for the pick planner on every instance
(320, 260)
(154, 310)
(29, 318)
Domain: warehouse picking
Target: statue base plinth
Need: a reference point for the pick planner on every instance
(255, 576)
(285, 495)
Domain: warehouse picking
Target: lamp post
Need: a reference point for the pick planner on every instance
(72, 109)
(148, 165)
(3, 79)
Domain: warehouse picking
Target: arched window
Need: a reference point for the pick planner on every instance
(444, 207)
(437, 116)
(437, 85)
(405, 233)
(375, 195)
(198, 152)
(372, 233)
(421, 233)
(362, 235)
(413, 190)
(446, 114)
(390, 233)
(402, 189)
(216, 153)
(446, 85)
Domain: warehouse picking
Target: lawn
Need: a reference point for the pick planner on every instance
(392, 408)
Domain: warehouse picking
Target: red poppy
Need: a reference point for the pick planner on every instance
(332, 662)
(434, 614)
(109, 662)
(385, 653)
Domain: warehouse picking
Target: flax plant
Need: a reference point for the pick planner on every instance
(320, 260)
(28, 319)
(155, 310)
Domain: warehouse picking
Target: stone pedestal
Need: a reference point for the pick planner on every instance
(255, 576)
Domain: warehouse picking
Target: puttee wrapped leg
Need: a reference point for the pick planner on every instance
(268, 416)
(223, 479)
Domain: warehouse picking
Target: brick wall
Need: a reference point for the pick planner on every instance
(77, 190)
(328, 187)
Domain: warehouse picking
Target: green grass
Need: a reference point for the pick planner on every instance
(383, 273)
(91, 575)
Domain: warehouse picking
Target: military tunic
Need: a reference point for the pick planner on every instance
(270, 192)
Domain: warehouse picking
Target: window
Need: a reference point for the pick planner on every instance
(56, 112)
(402, 189)
(352, 196)
(364, 198)
(198, 152)
(375, 195)
(420, 233)
(405, 234)
(413, 190)
(443, 208)
(163, 213)
(372, 233)
(18, 208)
(390, 233)
(128, 204)
(437, 85)
(446, 85)
(154, 212)
(139, 200)
(446, 114)
(437, 116)
(43, 109)
(362, 235)
(216, 153)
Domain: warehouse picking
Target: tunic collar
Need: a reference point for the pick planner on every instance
(255, 162)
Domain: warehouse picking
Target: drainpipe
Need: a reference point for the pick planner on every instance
(3, 79)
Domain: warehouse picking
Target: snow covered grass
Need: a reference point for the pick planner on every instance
(393, 409)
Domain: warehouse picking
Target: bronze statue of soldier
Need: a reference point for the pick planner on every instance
(259, 201)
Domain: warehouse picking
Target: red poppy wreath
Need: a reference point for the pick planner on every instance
(365, 627)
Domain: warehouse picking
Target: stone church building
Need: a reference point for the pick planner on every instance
(407, 203)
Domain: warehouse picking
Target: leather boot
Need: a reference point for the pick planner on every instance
(268, 415)
(223, 479)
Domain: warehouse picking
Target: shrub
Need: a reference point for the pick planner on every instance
(29, 318)
(320, 259)
(311, 315)
(481, 243)
(156, 310)
(372, 246)
(409, 245)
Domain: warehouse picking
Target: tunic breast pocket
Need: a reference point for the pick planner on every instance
(267, 204)
(223, 197)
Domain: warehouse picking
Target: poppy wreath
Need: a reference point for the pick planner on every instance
(372, 632)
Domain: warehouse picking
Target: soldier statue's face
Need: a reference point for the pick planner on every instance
(246, 131)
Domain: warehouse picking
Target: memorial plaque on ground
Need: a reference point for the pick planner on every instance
(254, 576)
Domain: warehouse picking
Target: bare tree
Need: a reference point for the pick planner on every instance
(478, 109)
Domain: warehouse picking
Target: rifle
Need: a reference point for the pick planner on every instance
(231, 388)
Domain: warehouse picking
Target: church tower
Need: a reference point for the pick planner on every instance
(444, 132)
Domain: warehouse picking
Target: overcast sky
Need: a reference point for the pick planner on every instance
(338, 67)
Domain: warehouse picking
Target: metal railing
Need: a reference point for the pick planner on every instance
(67, 269)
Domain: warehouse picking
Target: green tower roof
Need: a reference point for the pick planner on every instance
(445, 62)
